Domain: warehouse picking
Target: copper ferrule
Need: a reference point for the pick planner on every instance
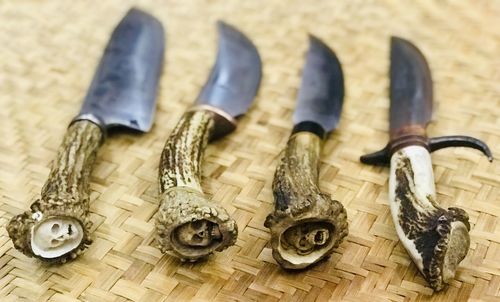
(411, 135)
(224, 122)
(409, 140)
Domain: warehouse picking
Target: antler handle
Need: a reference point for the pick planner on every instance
(436, 239)
(189, 225)
(306, 225)
(58, 227)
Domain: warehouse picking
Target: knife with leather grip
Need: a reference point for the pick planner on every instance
(437, 239)
(122, 94)
(189, 225)
(307, 224)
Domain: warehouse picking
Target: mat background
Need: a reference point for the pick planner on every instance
(48, 52)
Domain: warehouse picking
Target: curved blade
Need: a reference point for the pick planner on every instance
(235, 77)
(321, 93)
(123, 90)
(411, 86)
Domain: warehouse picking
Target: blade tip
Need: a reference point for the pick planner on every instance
(315, 41)
(396, 39)
(398, 43)
(229, 31)
(144, 15)
(137, 11)
(225, 28)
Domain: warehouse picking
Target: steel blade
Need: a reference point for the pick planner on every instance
(411, 86)
(321, 93)
(235, 77)
(123, 90)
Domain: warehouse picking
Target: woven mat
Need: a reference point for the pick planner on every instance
(48, 52)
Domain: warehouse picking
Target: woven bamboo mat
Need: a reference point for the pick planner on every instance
(48, 52)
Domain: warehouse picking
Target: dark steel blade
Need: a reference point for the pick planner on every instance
(321, 93)
(411, 87)
(235, 77)
(123, 90)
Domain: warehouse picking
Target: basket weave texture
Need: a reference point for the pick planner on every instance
(48, 52)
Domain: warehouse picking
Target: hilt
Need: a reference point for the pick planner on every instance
(306, 224)
(189, 225)
(436, 239)
(383, 156)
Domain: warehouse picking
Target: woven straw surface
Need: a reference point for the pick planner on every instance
(48, 52)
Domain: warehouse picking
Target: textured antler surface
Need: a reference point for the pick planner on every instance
(58, 228)
(306, 225)
(189, 225)
(436, 239)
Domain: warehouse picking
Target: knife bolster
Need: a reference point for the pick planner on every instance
(188, 224)
(436, 239)
(57, 228)
(306, 224)
(223, 122)
(311, 127)
(93, 119)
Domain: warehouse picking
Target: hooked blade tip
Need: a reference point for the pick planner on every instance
(228, 31)
(141, 16)
(317, 43)
(134, 11)
(399, 44)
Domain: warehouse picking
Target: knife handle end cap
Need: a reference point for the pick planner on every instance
(191, 227)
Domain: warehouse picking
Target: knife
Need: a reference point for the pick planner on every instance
(306, 224)
(122, 93)
(436, 239)
(189, 225)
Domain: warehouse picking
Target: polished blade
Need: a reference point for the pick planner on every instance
(123, 90)
(235, 77)
(321, 93)
(411, 86)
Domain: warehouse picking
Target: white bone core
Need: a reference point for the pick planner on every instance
(423, 177)
(55, 237)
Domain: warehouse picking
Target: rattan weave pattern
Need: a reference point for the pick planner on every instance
(48, 52)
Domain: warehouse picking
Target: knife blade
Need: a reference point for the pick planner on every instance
(189, 225)
(410, 88)
(122, 93)
(436, 239)
(306, 224)
(123, 90)
(321, 93)
(235, 77)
